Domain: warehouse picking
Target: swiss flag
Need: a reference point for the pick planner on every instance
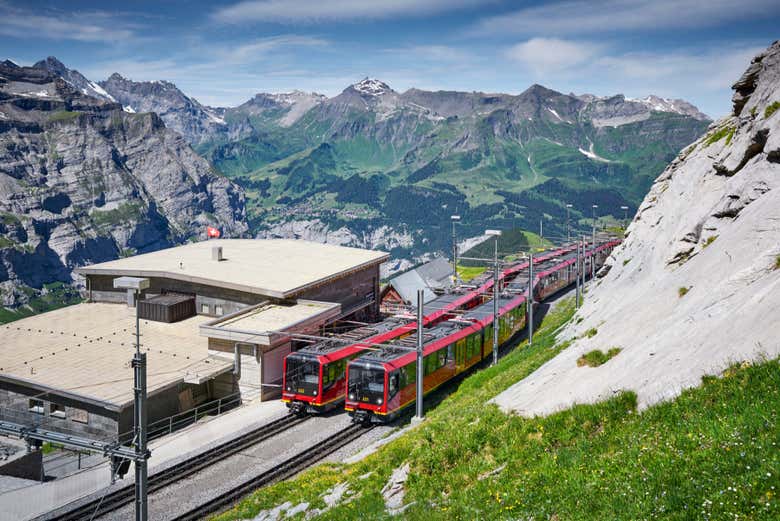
(212, 232)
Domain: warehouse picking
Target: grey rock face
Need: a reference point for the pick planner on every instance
(83, 181)
(180, 112)
(75, 78)
(695, 286)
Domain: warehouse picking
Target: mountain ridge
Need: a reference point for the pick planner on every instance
(695, 286)
(84, 181)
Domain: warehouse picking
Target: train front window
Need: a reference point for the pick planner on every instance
(366, 384)
(302, 375)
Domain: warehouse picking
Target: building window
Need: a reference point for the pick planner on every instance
(79, 415)
(218, 310)
(204, 308)
(36, 406)
(56, 410)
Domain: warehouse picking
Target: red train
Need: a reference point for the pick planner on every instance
(380, 384)
(315, 376)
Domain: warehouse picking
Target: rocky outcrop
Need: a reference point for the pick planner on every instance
(83, 181)
(695, 286)
(181, 113)
(381, 237)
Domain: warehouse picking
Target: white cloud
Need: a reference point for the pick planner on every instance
(545, 55)
(258, 49)
(56, 25)
(311, 11)
(590, 16)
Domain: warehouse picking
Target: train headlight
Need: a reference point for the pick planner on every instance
(352, 396)
(379, 401)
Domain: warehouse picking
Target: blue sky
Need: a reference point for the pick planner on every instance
(224, 52)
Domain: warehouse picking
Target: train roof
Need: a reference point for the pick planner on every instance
(356, 335)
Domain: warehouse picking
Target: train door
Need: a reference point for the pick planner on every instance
(460, 355)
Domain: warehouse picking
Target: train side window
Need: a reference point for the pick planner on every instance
(392, 384)
(411, 373)
(450, 353)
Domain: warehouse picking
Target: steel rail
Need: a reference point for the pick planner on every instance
(125, 495)
(284, 470)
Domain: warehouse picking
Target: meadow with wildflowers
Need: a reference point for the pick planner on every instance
(712, 453)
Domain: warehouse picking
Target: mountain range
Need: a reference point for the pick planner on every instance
(368, 167)
(82, 181)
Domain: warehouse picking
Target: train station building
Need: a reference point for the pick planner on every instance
(215, 324)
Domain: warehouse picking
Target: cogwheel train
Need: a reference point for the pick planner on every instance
(375, 383)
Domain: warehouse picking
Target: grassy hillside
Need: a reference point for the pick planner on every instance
(710, 454)
(511, 242)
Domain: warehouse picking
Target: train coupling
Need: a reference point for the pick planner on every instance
(298, 408)
(361, 417)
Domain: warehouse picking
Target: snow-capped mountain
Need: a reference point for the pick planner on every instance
(372, 87)
(74, 77)
(183, 114)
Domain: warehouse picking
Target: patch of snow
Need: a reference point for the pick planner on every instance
(41, 94)
(554, 113)
(216, 119)
(128, 108)
(3, 116)
(97, 88)
(590, 154)
(372, 87)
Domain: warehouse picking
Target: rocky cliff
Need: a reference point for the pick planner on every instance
(82, 181)
(181, 113)
(695, 286)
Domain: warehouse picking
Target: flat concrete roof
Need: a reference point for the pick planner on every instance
(260, 324)
(279, 268)
(84, 352)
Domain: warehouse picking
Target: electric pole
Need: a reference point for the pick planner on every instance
(420, 304)
(137, 285)
(454, 219)
(577, 269)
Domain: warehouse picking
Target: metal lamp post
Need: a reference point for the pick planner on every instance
(454, 219)
(568, 234)
(137, 285)
(496, 234)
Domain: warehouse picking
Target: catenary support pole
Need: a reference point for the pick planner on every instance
(495, 303)
(530, 298)
(139, 395)
(420, 304)
(577, 274)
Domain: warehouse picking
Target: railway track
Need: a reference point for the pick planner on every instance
(284, 470)
(162, 479)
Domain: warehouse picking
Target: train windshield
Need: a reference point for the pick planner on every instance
(303, 375)
(366, 383)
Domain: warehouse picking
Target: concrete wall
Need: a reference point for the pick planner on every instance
(15, 407)
(261, 367)
(350, 290)
(347, 290)
(102, 423)
(102, 290)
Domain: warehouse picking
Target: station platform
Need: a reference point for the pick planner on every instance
(34, 501)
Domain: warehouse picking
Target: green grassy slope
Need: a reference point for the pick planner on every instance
(710, 454)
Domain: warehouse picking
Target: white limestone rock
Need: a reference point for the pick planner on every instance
(711, 223)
